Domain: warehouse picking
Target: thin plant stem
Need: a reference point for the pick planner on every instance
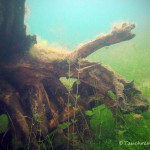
(12, 123)
(68, 102)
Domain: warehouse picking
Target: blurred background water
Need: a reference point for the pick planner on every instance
(69, 23)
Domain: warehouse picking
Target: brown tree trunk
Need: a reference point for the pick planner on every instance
(31, 93)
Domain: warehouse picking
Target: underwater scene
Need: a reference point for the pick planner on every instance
(74, 75)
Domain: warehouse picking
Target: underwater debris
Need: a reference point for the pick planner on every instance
(137, 116)
(119, 34)
(33, 95)
(50, 54)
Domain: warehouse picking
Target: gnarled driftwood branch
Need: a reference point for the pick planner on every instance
(117, 35)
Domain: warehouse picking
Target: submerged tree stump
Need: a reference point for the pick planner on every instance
(34, 98)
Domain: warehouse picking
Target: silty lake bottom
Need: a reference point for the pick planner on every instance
(95, 98)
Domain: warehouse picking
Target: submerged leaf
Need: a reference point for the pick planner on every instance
(4, 121)
(78, 82)
(74, 120)
(69, 62)
(76, 96)
(70, 74)
(65, 125)
(112, 95)
(89, 113)
(121, 132)
(68, 105)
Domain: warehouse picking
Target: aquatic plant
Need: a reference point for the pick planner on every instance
(4, 123)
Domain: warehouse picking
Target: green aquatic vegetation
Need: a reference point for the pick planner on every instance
(89, 113)
(68, 83)
(134, 130)
(47, 142)
(4, 123)
(64, 125)
(100, 122)
(35, 128)
(108, 131)
(103, 128)
(133, 64)
(112, 95)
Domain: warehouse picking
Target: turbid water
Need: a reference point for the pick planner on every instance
(69, 23)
